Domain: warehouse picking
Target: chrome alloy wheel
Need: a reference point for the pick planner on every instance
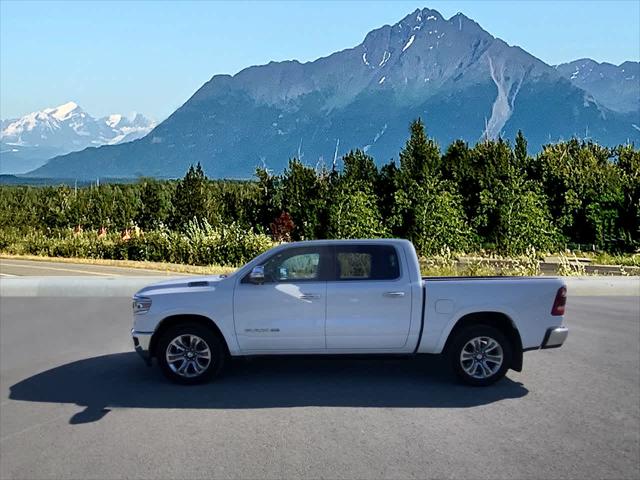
(188, 355)
(481, 357)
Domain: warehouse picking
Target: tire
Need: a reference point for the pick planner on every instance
(480, 355)
(182, 353)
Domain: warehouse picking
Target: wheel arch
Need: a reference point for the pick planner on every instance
(498, 320)
(178, 319)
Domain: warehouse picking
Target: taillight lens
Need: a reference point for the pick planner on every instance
(560, 302)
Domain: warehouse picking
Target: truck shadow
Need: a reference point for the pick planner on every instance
(122, 380)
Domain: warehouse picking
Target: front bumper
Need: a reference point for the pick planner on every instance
(141, 341)
(555, 337)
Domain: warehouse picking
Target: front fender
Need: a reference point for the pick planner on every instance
(223, 323)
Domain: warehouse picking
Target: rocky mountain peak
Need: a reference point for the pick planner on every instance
(463, 82)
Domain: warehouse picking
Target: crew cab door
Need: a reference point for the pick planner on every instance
(287, 311)
(368, 298)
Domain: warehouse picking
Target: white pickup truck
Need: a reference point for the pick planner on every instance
(346, 297)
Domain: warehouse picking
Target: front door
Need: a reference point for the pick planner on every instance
(369, 299)
(287, 311)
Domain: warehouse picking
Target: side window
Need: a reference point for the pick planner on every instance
(354, 265)
(289, 266)
(367, 262)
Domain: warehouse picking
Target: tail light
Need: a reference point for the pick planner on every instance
(560, 302)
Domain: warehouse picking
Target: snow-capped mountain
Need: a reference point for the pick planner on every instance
(614, 86)
(128, 128)
(27, 142)
(461, 80)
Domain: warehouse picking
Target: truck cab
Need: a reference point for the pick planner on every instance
(342, 297)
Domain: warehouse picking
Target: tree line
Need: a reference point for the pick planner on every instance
(493, 196)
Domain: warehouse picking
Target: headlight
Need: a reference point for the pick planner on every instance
(141, 304)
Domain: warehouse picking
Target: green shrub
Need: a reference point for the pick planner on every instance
(201, 244)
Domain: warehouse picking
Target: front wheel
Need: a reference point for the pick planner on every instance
(480, 355)
(190, 354)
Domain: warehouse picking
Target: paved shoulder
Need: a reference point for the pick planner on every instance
(596, 286)
(36, 268)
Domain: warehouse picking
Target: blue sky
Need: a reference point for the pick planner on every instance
(150, 56)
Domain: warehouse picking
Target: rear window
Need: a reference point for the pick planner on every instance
(367, 262)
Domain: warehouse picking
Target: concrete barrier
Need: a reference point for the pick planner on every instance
(74, 286)
(127, 286)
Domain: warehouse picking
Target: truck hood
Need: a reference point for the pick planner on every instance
(183, 284)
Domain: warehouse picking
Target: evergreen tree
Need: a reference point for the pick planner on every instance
(492, 167)
(155, 205)
(420, 157)
(458, 168)
(353, 210)
(419, 162)
(190, 198)
(268, 209)
(126, 204)
(520, 151)
(100, 203)
(386, 188)
(359, 173)
(300, 198)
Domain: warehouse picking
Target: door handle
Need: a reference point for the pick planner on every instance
(393, 294)
(309, 296)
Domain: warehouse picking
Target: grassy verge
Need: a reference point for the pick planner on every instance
(451, 265)
(631, 260)
(447, 265)
(429, 267)
(454, 266)
(160, 266)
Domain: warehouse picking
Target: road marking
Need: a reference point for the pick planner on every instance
(61, 269)
(7, 275)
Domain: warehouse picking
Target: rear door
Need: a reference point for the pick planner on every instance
(368, 298)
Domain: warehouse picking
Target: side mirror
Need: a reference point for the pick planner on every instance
(257, 275)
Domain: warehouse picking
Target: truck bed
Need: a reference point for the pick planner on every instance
(525, 302)
(487, 277)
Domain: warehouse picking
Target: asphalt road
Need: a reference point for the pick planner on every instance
(76, 403)
(35, 268)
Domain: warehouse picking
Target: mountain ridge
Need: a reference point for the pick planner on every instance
(28, 141)
(464, 82)
(614, 86)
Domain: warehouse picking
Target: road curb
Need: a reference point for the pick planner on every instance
(83, 286)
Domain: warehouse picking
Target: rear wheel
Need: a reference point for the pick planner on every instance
(190, 353)
(480, 355)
